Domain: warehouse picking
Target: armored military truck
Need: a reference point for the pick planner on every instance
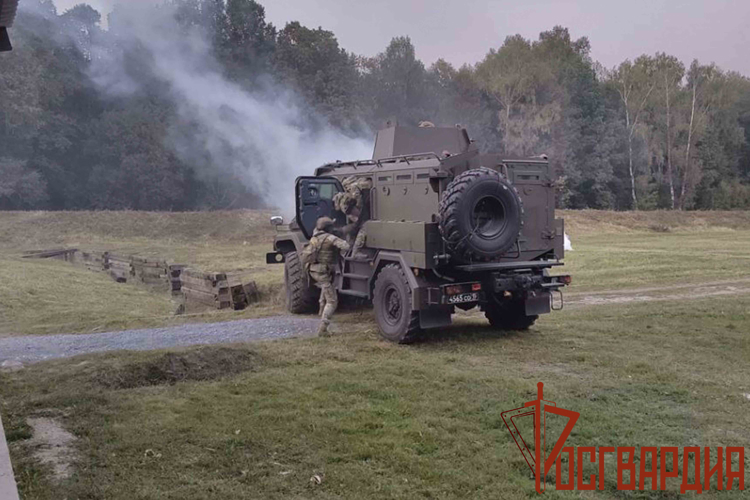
(446, 227)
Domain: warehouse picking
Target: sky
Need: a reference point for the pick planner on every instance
(463, 31)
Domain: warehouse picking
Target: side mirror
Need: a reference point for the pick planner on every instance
(277, 220)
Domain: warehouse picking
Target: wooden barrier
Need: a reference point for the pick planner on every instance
(91, 260)
(175, 278)
(210, 289)
(150, 270)
(120, 267)
(219, 290)
(66, 254)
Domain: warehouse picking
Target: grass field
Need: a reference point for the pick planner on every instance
(376, 420)
(613, 250)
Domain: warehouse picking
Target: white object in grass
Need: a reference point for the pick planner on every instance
(568, 247)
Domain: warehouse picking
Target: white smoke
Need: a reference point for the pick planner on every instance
(265, 138)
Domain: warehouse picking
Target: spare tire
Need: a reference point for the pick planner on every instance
(481, 215)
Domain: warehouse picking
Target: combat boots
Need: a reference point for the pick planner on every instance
(323, 330)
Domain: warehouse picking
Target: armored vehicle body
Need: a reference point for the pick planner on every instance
(446, 227)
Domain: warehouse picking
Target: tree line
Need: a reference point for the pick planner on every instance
(650, 133)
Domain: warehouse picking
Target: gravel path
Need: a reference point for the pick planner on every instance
(32, 348)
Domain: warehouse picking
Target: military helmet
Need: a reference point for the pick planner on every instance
(324, 223)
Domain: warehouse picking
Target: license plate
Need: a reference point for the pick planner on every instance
(463, 297)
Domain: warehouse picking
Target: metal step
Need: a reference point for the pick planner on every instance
(354, 293)
(356, 276)
(351, 258)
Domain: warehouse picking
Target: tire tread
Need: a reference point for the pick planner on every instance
(449, 211)
(413, 330)
(301, 298)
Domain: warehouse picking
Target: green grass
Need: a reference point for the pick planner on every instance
(613, 261)
(377, 420)
(50, 296)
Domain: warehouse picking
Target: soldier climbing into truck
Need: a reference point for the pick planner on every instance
(319, 259)
(447, 227)
(353, 203)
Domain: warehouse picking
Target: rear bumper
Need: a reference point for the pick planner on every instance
(525, 282)
(535, 290)
(508, 266)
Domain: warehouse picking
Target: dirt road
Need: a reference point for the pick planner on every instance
(672, 292)
(32, 349)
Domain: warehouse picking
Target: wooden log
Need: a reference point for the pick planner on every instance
(251, 291)
(175, 277)
(45, 254)
(239, 299)
(223, 294)
(150, 271)
(192, 273)
(113, 257)
(93, 261)
(120, 264)
(219, 301)
(203, 284)
(198, 296)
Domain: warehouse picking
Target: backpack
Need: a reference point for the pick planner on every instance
(309, 255)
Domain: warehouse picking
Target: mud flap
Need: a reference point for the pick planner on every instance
(538, 303)
(434, 317)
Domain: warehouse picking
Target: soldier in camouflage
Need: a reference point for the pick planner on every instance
(352, 203)
(324, 251)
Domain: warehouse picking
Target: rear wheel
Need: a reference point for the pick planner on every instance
(508, 315)
(301, 295)
(397, 321)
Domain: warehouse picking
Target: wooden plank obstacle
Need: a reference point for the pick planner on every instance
(119, 266)
(219, 290)
(150, 271)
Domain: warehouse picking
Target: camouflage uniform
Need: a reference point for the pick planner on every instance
(325, 247)
(351, 203)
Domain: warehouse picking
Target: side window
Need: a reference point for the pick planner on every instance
(326, 191)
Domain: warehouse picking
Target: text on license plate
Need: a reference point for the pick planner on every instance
(463, 297)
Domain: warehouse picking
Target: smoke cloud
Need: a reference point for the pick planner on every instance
(265, 138)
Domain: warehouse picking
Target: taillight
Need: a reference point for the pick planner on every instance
(567, 279)
(453, 289)
(475, 287)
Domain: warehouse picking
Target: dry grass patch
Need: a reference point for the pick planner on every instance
(50, 296)
(580, 222)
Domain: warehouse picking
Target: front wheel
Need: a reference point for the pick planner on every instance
(396, 319)
(301, 295)
(508, 315)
